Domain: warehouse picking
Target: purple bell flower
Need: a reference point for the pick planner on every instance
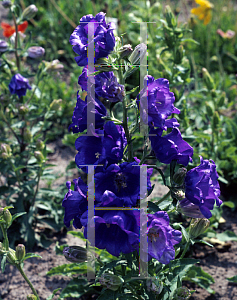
(160, 102)
(18, 85)
(171, 147)
(106, 149)
(104, 40)
(106, 85)
(124, 225)
(189, 209)
(123, 180)
(161, 237)
(79, 119)
(202, 187)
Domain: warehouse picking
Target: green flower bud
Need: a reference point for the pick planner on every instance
(125, 51)
(31, 297)
(197, 227)
(209, 109)
(29, 12)
(208, 80)
(20, 252)
(221, 100)
(156, 8)
(39, 156)
(138, 54)
(110, 281)
(169, 16)
(55, 105)
(7, 217)
(53, 65)
(23, 110)
(179, 195)
(154, 286)
(179, 54)
(216, 119)
(39, 145)
(27, 136)
(5, 151)
(76, 254)
(182, 293)
(179, 176)
(213, 93)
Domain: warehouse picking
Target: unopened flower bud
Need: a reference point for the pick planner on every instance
(169, 16)
(179, 54)
(39, 145)
(209, 109)
(216, 119)
(110, 281)
(3, 46)
(5, 151)
(36, 52)
(27, 136)
(23, 109)
(6, 3)
(76, 254)
(125, 51)
(221, 100)
(182, 293)
(197, 227)
(29, 12)
(208, 80)
(154, 286)
(31, 297)
(55, 105)
(156, 8)
(179, 176)
(7, 217)
(20, 252)
(138, 54)
(53, 65)
(39, 156)
(187, 208)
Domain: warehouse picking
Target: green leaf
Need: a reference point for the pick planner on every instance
(17, 215)
(3, 262)
(29, 255)
(226, 236)
(107, 295)
(230, 204)
(232, 279)
(152, 206)
(190, 41)
(75, 288)
(69, 269)
(78, 234)
(54, 292)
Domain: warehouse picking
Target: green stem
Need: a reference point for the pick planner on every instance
(6, 242)
(37, 187)
(27, 280)
(125, 116)
(16, 41)
(185, 249)
(9, 126)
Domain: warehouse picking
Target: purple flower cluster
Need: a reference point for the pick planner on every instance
(104, 40)
(116, 181)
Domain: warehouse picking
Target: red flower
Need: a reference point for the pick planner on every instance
(8, 30)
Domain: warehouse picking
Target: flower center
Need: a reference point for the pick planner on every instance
(120, 181)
